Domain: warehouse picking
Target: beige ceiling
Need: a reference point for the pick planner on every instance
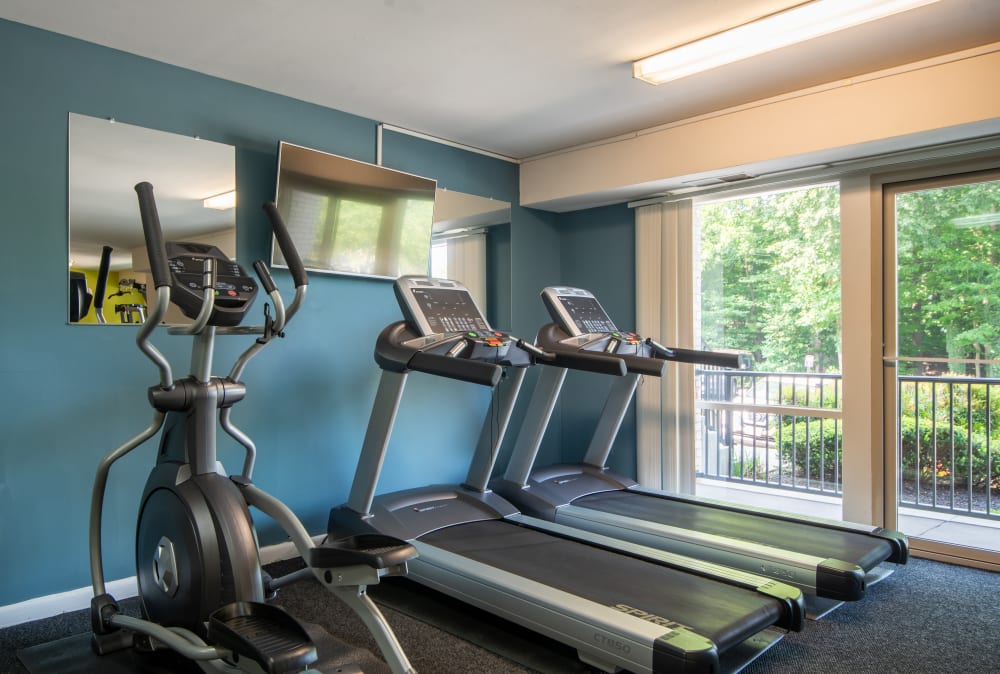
(518, 77)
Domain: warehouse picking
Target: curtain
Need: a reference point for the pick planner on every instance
(665, 408)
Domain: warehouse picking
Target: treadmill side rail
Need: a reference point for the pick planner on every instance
(603, 635)
(897, 540)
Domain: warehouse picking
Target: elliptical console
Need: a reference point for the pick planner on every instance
(235, 290)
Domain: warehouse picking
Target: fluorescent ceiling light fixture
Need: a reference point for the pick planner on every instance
(222, 202)
(798, 24)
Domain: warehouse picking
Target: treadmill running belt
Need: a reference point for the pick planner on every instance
(865, 551)
(725, 614)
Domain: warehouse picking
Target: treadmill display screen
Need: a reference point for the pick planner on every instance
(587, 314)
(449, 310)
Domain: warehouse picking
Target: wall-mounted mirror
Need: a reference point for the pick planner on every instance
(106, 160)
(458, 248)
(458, 210)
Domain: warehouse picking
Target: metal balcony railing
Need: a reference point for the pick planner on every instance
(784, 431)
(949, 444)
(770, 428)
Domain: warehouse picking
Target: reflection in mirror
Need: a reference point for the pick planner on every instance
(458, 249)
(106, 160)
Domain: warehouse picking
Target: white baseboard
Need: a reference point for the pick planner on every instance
(56, 604)
(74, 600)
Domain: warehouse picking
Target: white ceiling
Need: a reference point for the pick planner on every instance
(519, 77)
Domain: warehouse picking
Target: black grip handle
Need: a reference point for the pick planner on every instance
(590, 362)
(735, 361)
(154, 235)
(288, 250)
(462, 369)
(102, 277)
(266, 280)
(537, 352)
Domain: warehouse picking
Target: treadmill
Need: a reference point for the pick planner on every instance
(629, 608)
(830, 561)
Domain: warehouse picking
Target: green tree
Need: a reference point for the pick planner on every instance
(948, 287)
(770, 277)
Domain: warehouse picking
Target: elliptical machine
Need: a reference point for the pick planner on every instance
(201, 585)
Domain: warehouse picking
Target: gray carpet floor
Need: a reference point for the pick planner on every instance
(926, 617)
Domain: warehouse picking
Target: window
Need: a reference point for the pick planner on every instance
(439, 259)
(768, 283)
(680, 266)
(768, 277)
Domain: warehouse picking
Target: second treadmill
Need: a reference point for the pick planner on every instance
(634, 608)
(830, 561)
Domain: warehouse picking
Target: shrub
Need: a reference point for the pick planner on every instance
(813, 443)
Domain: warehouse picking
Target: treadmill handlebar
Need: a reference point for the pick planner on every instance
(591, 362)
(400, 348)
(596, 353)
(552, 339)
(462, 369)
(539, 354)
(654, 367)
(734, 361)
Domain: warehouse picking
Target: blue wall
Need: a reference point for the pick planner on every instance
(598, 253)
(536, 262)
(73, 393)
(592, 249)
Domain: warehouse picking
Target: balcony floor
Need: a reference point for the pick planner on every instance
(946, 528)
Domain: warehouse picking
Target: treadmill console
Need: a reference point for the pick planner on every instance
(584, 325)
(578, 313)
(442, 309)
(235, 291)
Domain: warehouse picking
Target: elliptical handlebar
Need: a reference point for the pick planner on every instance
(153, 235)
(292, 258)
(288, 250)
(282, 314)
(102, 284)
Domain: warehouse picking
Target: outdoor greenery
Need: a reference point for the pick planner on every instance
(770, 284)
(770, 277)
(948, 247)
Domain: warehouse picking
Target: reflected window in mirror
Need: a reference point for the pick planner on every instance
(462, 258)
(458, 246)
(106, 160)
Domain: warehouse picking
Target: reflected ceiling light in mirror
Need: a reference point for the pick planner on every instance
(221, 202)
(798, 24)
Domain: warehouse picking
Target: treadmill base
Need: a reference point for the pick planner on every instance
(740, 656)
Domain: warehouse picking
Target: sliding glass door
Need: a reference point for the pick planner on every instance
(942, 357)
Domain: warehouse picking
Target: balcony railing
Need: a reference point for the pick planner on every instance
(770, 428)
(949, 444)
(784, 431)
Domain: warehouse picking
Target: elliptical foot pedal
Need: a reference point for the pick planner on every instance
(263, 633)
(374, 550)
